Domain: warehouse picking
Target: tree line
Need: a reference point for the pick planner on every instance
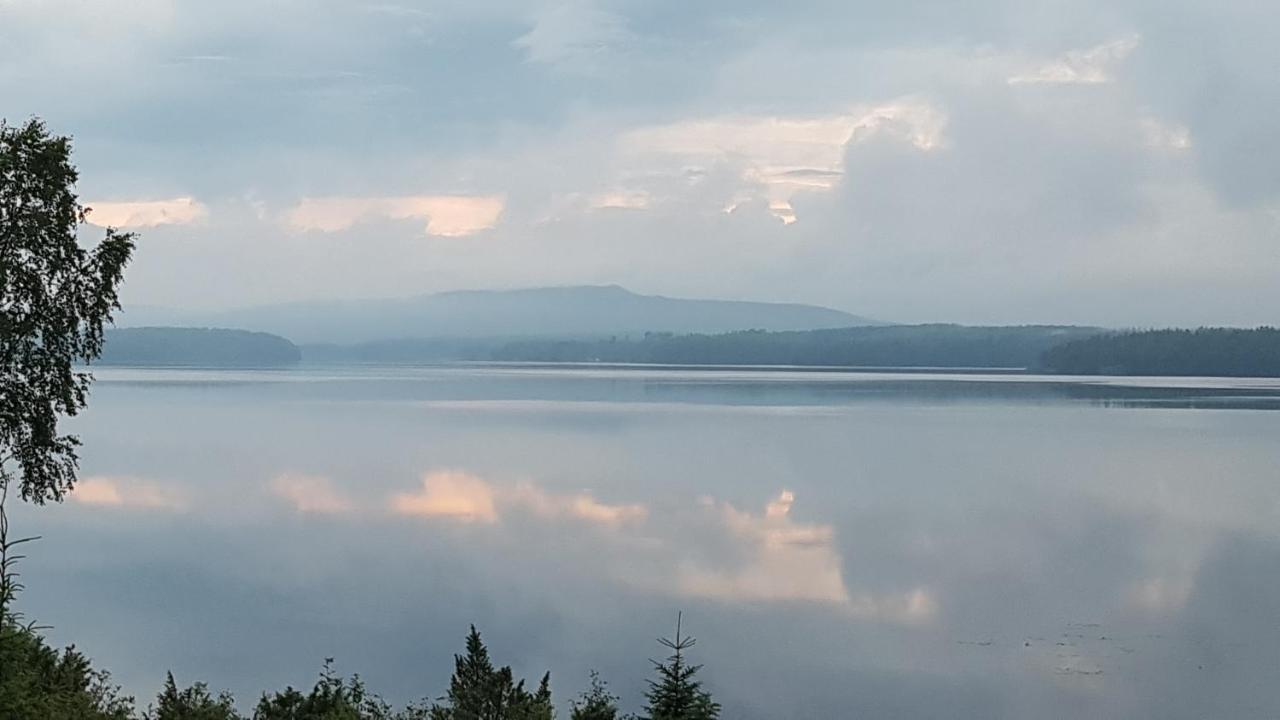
(1057, 349)
(38, 682)
(1223, 352)
(1072, 350)
(939, 345)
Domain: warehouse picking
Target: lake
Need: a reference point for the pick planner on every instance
(841, 544)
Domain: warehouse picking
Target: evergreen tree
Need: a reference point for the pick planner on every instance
(478, 691)
(540, 707)
(676, 695)
(193, 703)
(471, 689)
(597, 703)
(332, 698)
(40, 683)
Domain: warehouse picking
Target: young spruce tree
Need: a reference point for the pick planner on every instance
(676, 695)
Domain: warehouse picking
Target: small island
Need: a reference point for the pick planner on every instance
(196, 347)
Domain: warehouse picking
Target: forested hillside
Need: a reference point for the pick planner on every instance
(875, 346)
(203, 347)
(1208, 351)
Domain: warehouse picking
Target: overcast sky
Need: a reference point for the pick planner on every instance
(994, 161)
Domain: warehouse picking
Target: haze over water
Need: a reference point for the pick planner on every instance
(910, 545)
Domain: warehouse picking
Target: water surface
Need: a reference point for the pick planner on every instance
(871, 544)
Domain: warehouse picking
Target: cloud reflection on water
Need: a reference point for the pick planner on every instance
(450, 494)
(127, 492)
(310, 494)
(467, 497)
(749, 557)
(787, 560)
(1004, 552)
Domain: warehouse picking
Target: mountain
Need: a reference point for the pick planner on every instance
(581, 311)
(201, 347)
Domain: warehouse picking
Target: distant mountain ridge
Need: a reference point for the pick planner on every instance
(574, 311)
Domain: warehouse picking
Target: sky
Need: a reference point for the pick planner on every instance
(995, 161)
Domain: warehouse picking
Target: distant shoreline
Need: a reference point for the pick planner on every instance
(906, 349)
(940, 373)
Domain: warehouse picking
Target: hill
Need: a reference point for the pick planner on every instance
(580, 311)
(875, 346)
(870, 346)
(203, 347)
(1221, 352)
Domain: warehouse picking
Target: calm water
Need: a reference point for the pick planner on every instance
(912, 545)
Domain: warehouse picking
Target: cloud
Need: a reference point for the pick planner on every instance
(1164, 136)
(572, 31)
(621, 200)
(147, 213)
(127, 492)
(779, 156)
(310, 494)
(754, 107)
(446, 215)
(803, 149)
(1091, 66)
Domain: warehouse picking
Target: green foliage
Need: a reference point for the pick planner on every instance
(597, 703)
(478, 691)
(676, 695)
(9, 558)
(332, 698)
(55, 297)
(40, 683)
(193, 703)
(1208, 351)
